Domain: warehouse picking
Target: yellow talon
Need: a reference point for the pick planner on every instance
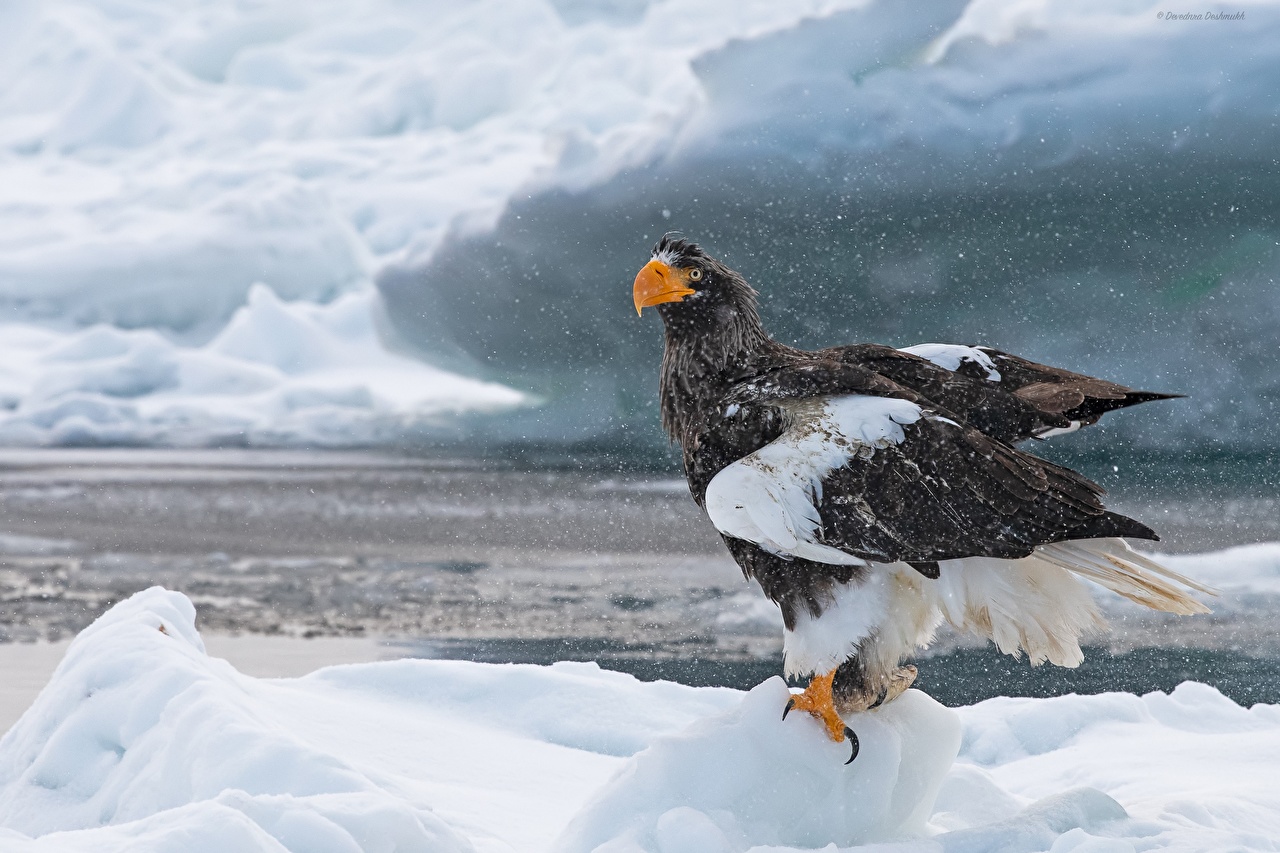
(817, 700)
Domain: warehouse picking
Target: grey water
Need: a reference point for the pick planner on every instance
(516, 559)
(960, 676)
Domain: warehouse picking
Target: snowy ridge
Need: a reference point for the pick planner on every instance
(1244, 568)
(153, 742)
(499, 169)
(1026, 175)
(158, 162)
(142, 743)
(278, 373)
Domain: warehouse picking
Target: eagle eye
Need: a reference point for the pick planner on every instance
(695, 274)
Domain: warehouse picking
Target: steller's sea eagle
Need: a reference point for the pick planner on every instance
(876, 492)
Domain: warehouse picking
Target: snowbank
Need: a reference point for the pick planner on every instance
(294, 373)
(144, 738)
(500, 169)
(160, 164)
(743, 780)
(1029, 175)
(141, 742)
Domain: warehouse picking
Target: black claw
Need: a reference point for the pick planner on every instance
(880, 701)
(853, 741)
(791, 703)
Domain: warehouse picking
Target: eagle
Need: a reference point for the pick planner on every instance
(875, 493)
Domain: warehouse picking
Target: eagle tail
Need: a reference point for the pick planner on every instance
(1113, 564)
(1027, 605)
(1038, 605)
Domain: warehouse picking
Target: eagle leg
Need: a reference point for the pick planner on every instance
(899, 680)
(855, 690)
(817, 700)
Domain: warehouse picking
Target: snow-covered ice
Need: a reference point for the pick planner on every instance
(277, 373)
(141, 742)
(168, 172)
(1032, 175)
(165, 165)
(746, 779)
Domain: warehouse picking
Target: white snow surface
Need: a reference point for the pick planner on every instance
(277, 373)
(141, 742)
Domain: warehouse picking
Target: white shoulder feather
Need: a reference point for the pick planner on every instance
(771, 497)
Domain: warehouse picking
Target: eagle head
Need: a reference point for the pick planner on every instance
(688, 282)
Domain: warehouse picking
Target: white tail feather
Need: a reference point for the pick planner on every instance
(1026, 605)
(1113, 564)
(1038, 605)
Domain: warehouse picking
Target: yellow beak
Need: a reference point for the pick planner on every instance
(657, 283)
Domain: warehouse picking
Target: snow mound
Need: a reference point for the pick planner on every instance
(1191, 768)
(279, 373)
(141, 733)
(141, 742)
(749, 778)
(1027, 175)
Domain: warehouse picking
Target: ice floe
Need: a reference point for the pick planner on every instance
(279, 373)
(142, 742)
(162, 165)
(482, 180)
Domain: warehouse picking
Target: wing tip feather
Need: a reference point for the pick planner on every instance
(1113, 564)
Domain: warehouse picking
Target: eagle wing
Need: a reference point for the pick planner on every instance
(1006, 397)
(869, 470)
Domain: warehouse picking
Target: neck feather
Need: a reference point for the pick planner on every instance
(705, 353)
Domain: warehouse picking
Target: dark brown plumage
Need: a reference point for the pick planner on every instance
(823, 470)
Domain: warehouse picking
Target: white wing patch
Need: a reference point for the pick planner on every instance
(951, 356)
(771, 497)
(1052, 431)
